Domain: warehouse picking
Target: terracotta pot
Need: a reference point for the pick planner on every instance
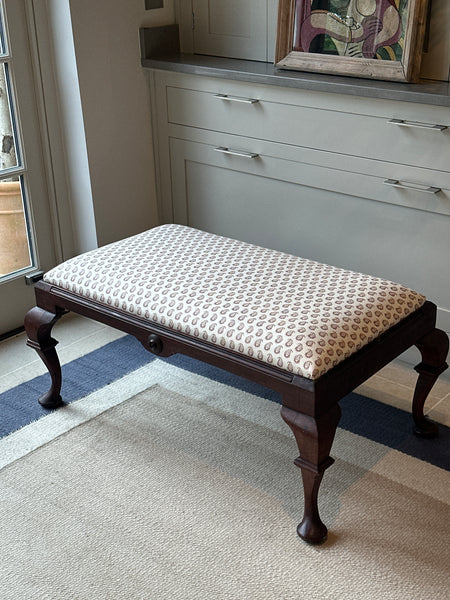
(14, 253)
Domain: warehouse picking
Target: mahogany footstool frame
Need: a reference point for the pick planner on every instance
(310, 406)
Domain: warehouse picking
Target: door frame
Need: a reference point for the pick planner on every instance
(45, 66)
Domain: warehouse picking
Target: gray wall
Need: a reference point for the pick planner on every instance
(116, 112)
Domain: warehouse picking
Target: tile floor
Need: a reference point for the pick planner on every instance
(76, 335)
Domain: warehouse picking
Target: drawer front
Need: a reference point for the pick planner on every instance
(382, 138)
(420, 189)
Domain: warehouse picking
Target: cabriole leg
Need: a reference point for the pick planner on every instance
(433, 348)
(38, 325)
(314, 440)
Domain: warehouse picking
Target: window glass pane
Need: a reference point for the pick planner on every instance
(8, 144)
(14, 246)
(3, 49)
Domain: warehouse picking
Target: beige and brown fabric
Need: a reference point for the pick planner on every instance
(298, 315)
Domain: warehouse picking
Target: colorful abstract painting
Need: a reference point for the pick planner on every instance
(369, 29)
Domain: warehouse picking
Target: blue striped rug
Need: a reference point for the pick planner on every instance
(368, 418)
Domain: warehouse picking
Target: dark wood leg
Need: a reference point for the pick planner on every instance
(314, 440)
(38, 325)
(433, 348)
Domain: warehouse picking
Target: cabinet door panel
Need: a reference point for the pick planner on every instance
(436, 59)
(241, 201)
(236, 28)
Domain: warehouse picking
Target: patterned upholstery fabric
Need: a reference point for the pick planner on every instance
(298, 315)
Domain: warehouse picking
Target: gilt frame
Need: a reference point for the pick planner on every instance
(295, 18)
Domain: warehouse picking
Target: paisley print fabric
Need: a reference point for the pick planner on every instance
(295, 314)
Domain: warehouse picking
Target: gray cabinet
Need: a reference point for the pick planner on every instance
(235, 28)
(320, 175)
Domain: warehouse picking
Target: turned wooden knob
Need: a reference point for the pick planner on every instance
(155, 344)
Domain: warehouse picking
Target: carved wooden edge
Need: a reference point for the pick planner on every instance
(38, 326)
(312, 397)
(434, 350)
(314, 439)
(170, 341)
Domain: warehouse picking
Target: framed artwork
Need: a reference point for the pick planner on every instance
(376, 39)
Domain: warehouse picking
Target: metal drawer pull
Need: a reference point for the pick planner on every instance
(224, 150)
(236, 99)
(403, 123)
(412, 186)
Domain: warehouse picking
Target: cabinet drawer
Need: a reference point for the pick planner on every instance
(364, 179)
(381, 138)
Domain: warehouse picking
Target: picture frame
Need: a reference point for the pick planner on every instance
(374, 39)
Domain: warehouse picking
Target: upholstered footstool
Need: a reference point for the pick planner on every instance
(311, 331)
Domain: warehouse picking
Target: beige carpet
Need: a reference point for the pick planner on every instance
(168, 497)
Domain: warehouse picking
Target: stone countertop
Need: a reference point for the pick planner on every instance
(425, 92)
